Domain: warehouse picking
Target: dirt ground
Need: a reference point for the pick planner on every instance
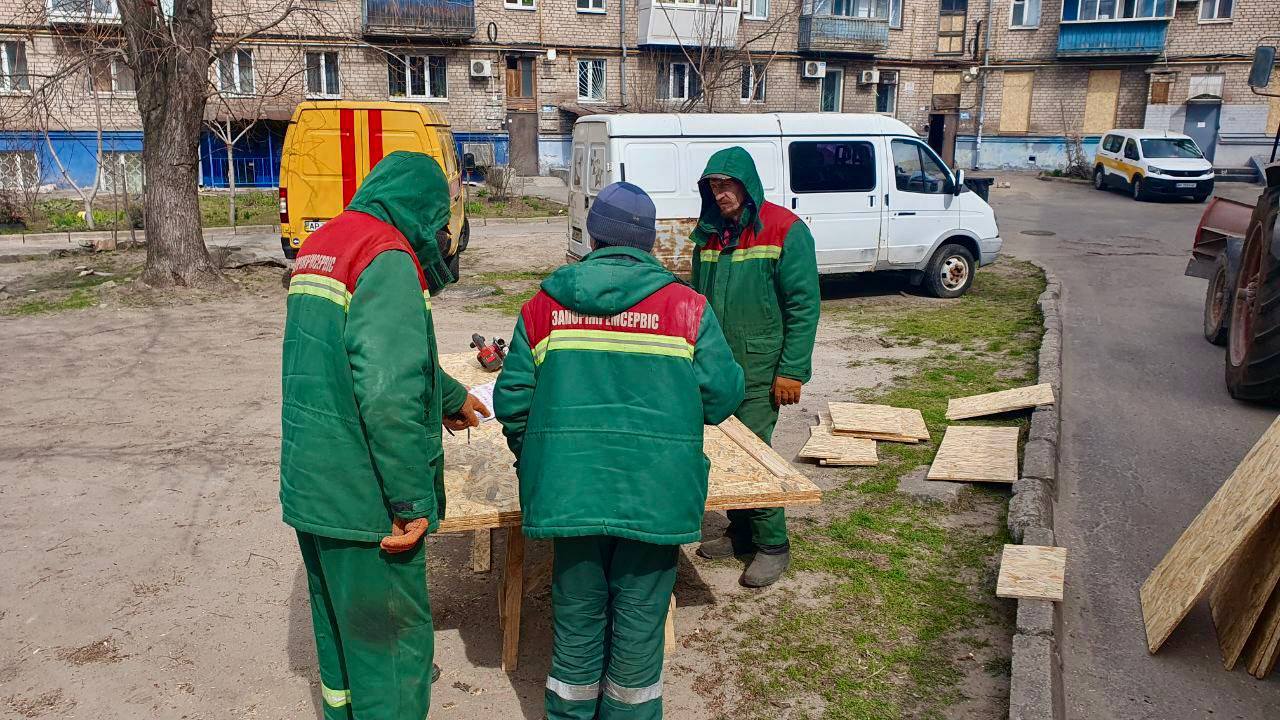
(149, 574)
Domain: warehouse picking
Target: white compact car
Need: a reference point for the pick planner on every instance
(1149, 163)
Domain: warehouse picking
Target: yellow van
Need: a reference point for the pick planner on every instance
(331, 146)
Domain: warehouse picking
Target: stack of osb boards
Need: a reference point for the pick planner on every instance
(1230, 552)
(837, 450)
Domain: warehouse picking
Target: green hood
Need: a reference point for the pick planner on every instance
(607, 281)
(737, 164)
(409, 191)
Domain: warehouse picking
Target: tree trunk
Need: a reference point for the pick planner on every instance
(88, 210)
(170, 59)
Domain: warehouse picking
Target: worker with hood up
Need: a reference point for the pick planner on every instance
(615, 366)
(361, 461)
(755, 263)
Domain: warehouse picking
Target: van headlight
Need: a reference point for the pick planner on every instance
(1153, 170)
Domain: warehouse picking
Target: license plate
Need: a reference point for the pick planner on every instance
(312, 225)
(1186, 185)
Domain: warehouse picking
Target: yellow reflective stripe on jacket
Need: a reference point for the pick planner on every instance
(335, 698)
(763, 252)
(426, 297)
(709, 256)
(613, 341)
(320, 286)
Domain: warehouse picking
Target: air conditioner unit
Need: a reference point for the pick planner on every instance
(815, 69)
(869, 77)
(482, 68)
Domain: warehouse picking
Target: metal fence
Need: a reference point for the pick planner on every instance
(427, 18)
(837, 33)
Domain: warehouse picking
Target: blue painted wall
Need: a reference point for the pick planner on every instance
(555, 152)
(501, 148)
(256, 158)
(1020, 152)
(77, 152)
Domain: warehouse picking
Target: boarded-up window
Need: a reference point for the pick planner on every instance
(951, 32)
(1015, 109)
(1101, 100)
(946, 83)
(1160, 90)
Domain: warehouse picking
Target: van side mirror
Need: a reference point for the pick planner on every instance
(1264, 61)
(469, 161)
(959, 183)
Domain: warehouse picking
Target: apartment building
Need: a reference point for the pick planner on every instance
(990, 83)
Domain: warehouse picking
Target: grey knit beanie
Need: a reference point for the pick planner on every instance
(622, 215)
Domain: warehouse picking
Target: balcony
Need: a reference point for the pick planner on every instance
(444, 19)
(83, 12)
(707, 23)
(840, 34)
(1119, 37)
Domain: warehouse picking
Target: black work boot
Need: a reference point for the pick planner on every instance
(435, 673)
(767, 566)
(725, 546)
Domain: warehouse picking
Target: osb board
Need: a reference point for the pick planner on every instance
(836, 450)
(999, 402)
(1242, 591)
(878, 422)
(1264, 644)
(1015, 106)
(1032, 572)
(1222, 528)
(482, 491)
(977, 454)
(1101, 100)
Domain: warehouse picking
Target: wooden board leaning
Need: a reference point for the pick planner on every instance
(977, 454)
(1032, 572)
(1230, 519)
(1240, 596)
(999, 402)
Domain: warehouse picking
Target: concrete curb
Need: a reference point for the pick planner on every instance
(1035, 676)
(544, 219)
(1076, 181)
(89, 236)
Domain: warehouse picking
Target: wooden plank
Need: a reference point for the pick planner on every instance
(1101, 100)
(512, 595)
(836, 450)
(1032, 572)
(481, 551)
(1242, 592)
(1015, 105)
(999, 402)
(878, 422)
(669, 631)
(1226, 523)
(977, 454)
(1264, 645)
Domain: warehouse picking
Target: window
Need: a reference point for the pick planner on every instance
(753, 82)
(878, 9)
(826, 167)
(1112, 143)
(755, 9)
(84, 9)
(887, 92)
(520, 82)
(1026, 14)
(1130, 150)
(235, 71)
(1181, 148)
(917, 170)
(579, 171)
(832, 91)
(590, 6)
(1215, 9)
(1087, 10)
(1015, 106)
(322, 74)
(111, 75)
(1160, 87)
(591, 80)
(417, 76)
(519, 4)
(597, 169)
(13, 67)
(895, 14)
(19, 170)
(678, 81)
(951, 20)
(120, 172)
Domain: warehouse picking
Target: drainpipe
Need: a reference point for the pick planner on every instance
(982, 87)
(622, 42)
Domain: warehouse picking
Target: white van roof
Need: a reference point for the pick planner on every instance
(749, 124)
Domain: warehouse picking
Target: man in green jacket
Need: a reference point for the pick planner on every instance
(614, 368)
(755, 262)
(361, 456)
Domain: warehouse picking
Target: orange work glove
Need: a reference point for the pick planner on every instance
(405, 534)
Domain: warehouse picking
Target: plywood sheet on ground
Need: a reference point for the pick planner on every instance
(977, 454)
(878, 422)
(483, 492)
(999, 402)
(1238, 598)
(837, 450)
(1222, 528)
(1264, 644)
(1032, 572)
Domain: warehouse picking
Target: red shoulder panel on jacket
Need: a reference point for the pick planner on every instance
(345, 246)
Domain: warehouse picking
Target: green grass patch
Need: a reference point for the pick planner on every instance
(481, 204)
(76, 300)
(253, 207)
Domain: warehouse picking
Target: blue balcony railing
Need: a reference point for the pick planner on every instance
(1119, 37)
(455, 19)
(840, 34)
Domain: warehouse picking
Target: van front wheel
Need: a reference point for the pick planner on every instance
(1099, 178)
(950, 272)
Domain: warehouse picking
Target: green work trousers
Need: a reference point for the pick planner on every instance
(372, 623)
(766, 527)
(610, 598)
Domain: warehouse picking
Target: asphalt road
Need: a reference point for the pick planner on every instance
(1149, 433)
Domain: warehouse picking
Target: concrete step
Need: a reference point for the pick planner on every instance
(1240, 175)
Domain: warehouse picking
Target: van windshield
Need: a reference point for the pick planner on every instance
(1170, 148)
